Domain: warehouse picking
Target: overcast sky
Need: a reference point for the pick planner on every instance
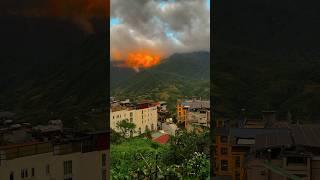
(162, 26)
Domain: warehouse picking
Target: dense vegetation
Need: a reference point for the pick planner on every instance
(51, 68)
(181, 75)
(267, 58)
(185, 156)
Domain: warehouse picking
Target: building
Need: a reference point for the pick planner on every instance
(80, 157)
(143, 114)
(232, 145)
(291, 152)
(193, 112)
(287, 155)
(169, 127)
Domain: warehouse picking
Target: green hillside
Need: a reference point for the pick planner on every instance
(181, 75)
(50, 68)
(267, 58)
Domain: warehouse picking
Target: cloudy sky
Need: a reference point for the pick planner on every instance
(161, 27)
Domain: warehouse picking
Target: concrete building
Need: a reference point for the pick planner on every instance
(144, 115)
(282, 156)
(193, 112)
(169, 127)
(79, 158)
(268, 153)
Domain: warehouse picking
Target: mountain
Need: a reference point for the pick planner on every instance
(51, 68)
(180, 75)
(267, 58)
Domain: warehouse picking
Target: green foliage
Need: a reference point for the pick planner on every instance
(140, 157)
(183, 145)
(125, 127)
(197, 167)
(115, 137)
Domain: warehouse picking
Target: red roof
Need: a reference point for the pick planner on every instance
(163, 139)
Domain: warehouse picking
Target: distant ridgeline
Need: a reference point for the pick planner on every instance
(180, 75)
(51, 69)
(267, 59)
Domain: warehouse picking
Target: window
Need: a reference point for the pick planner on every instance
(139, 130)
(113, 117)
(32, 172)
(11, 176)
(237, 176)
(67, 167)
(131, 120)
(224, 151)
(296, 160)
(224, 139)
(131, 114)
(224, 165)
(47, 169)
(24, 173)
(237, 161)
(104, 159)
(104, 174)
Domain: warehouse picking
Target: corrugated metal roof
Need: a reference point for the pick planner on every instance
(252, 132)
(275, 139)
(307, 135)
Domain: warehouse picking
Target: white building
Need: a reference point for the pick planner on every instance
(143, 115)
(80, 159)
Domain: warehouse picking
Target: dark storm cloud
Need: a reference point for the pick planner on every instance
(163, 26)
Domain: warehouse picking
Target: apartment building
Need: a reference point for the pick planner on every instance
(283, 156)
(80, 158)
(143, 114)
(232, 146)
(193, 111)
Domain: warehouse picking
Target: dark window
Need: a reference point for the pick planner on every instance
(104, 160)
(104, 174)
(237, 176)
(24, 173)
(296, 160)
(224, 151)
(238, 161)
(224, 139)
(224, 165)
(11, 176)
(47, 169)
(32, 172)
(67, 167)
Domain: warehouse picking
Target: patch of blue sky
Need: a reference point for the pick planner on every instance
(164, 3)
(114, 21)
(172, 36)
(209, 3)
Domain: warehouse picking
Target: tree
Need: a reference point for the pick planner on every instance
(126, 128)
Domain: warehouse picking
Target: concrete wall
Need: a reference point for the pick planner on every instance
(140, 117)
(85, 166)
